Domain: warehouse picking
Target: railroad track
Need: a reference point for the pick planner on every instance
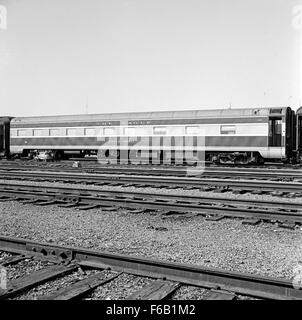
(291, 189)
(168, 205)
(213, 172)
(159, 280)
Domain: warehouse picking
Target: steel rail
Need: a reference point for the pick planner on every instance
(174, 203)
(211, 278)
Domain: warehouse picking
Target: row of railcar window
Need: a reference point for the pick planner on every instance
(138, 131)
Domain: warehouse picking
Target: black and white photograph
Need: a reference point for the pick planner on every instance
(151, 153)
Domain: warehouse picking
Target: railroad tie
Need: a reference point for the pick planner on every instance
(287, 225)
(68, 205)
(215, 217)
(136, 210)
(45, 203)
(19, 285)
(109, 208)
(80, 288)
(31, 201)
(14, 260)
(88, 207)
(252, 222)
(240, 191)
(7, 199)
(156, 290)
(218, 295)
(277, 193)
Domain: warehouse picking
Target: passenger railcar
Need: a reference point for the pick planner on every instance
(245, 135)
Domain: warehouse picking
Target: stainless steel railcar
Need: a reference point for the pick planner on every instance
(245, 135)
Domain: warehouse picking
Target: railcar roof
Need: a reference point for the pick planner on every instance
(299, 111)
(209, 113)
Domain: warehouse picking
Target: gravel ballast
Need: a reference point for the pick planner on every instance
(119, 288)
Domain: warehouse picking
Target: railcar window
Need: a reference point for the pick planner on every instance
(160, 130)
(278, 125)
(175, 131)
(129, 131)
(227, 129)
(137, 131)
(74, 132)
(13, 133)
(41, 132)
(192, 130)
(90, 132)
(54, 132)
(143, 131)
(25, 133)
(110, 131)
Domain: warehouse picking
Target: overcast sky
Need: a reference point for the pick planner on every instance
(95, 56)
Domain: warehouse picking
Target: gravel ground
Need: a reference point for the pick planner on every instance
(4, 255)
(119, 288)
(188, 293)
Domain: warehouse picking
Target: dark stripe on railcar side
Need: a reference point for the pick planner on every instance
(243, 141)
(199, 121)
(215, 141)
(65, 124)
(146, 122)
(57, 141)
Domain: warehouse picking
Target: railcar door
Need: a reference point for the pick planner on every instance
(299, 134)
(275, 132)
(4, 136)
(1, 137)
(290, 132)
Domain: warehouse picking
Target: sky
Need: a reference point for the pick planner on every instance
(102, 56)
